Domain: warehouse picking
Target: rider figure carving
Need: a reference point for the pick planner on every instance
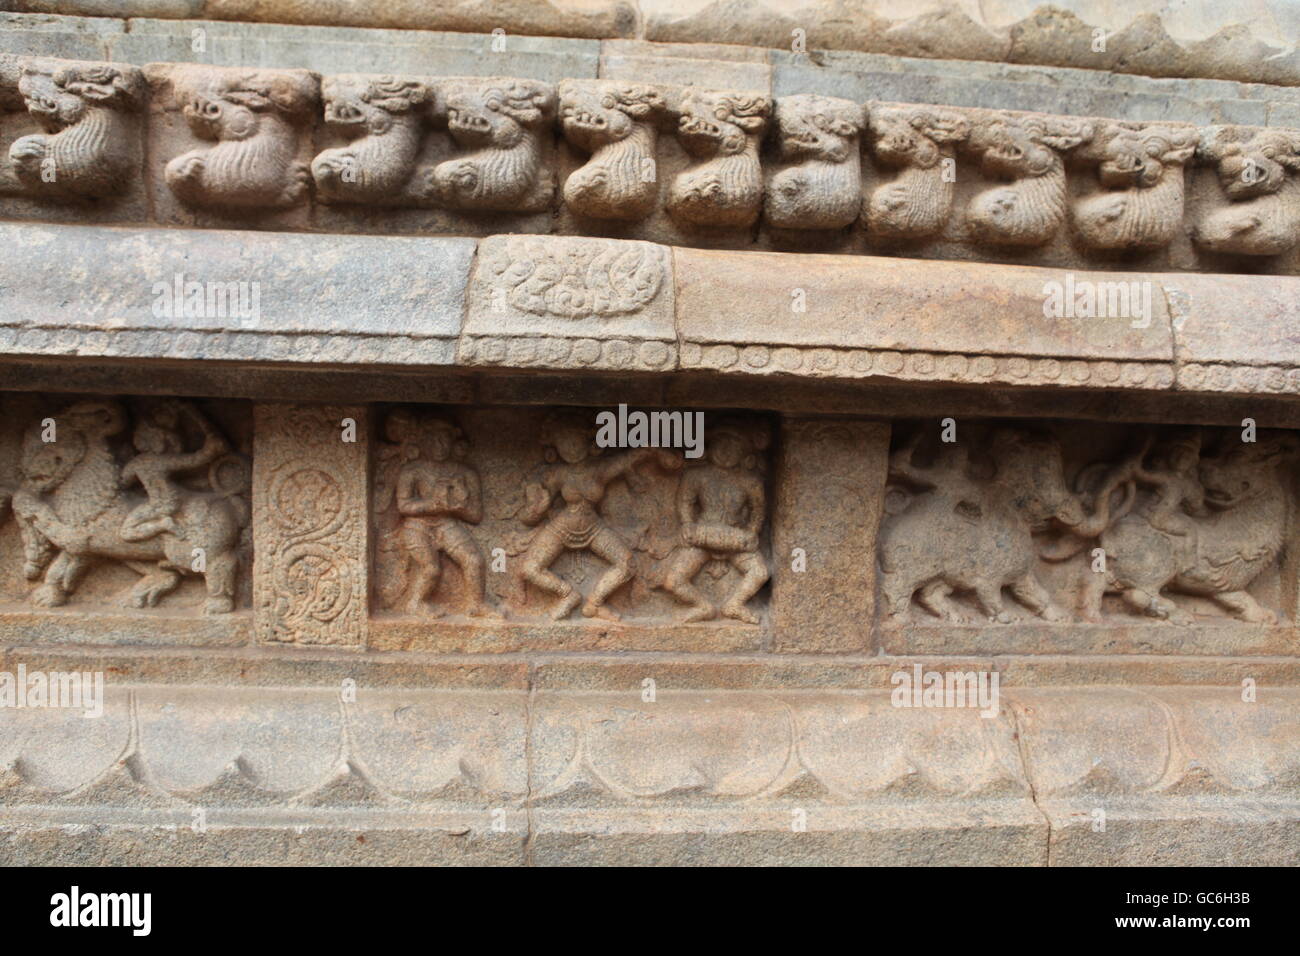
(160, 457)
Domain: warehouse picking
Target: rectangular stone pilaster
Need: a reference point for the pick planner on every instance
(830, 487)
(311, 536)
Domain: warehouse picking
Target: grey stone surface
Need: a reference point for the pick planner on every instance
(355, 49)
(90, 290)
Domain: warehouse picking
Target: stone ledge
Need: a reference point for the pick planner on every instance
(561, 303)
(597, 775)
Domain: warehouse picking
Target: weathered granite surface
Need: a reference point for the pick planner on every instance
(626, 448)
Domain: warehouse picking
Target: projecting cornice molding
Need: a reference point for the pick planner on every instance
(575, 304)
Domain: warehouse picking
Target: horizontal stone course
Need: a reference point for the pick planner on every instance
(356, 300)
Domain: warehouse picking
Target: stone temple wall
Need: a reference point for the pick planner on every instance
(981, 372)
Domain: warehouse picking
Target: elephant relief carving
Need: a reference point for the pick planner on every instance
(1262, 217)
(722, 131)
(1140, 205)
(166, 512)
(1177, 517)
(90, 147)
(618, 125)
(503, 126)
(974, 535)
(820, 186)
(920, 142)
(1029, 207)
(253, 119)
(721, 508)
(426, 500)
(386, 116)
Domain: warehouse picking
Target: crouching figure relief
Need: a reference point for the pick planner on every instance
(721, 506)
(166, 513)
(566, 504)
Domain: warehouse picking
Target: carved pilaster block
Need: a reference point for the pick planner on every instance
(310, 531)
(829, 493)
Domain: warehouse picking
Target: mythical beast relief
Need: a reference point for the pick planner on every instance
(1027, 152)
(1258, 175)
(1193, 514)
(91, 144)
(920, 142)
(618, 124)
(723, 131)
(173, 503)
(387, 117)
(1140, 168)
(820, 186)
(254, 120)
(503, 125)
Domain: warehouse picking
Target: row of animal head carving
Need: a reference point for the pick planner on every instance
(795, 161)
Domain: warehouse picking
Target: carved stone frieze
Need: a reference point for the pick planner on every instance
(820, 184)
(618, 125)
(722, 131)
(153, 487)
(1174, 525)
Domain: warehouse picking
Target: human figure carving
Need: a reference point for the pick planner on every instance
(72, 508)
(387, 117)
(160, 458)
(1029, 208)
(960, 534)
(821, 185)
(502, 124)
(90, 144)
(252, 119)
(1141, 202)
(723, 132)
(920, 142)
(578, 481)
(721, 506)
(437, 497)
(617, 123)
(1259, 178)
(1208, 526)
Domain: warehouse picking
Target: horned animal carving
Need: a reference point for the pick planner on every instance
(1141, 172)
(253, 120)
(617, 123)
(919, 141)
(387, 116)
(90, 147)
(1026, 151)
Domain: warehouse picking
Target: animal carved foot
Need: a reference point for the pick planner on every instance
(49, 595)
(1055, 615)
(28, 151)
(187, 168)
